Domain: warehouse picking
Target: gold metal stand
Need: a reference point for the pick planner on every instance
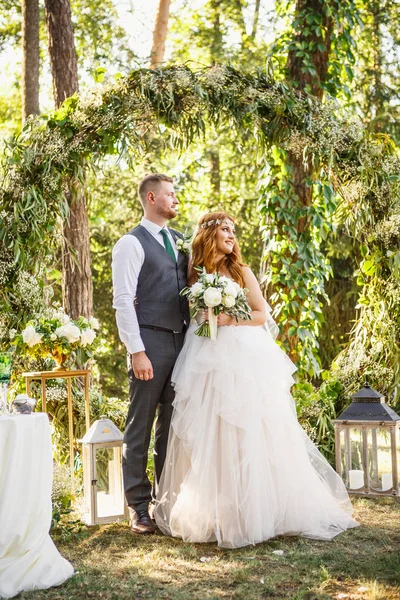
(43, 376)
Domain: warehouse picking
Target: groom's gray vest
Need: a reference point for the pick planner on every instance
(161, 278)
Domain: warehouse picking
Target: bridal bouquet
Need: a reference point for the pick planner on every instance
(215, 294)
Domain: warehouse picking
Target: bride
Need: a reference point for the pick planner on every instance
(239, 468)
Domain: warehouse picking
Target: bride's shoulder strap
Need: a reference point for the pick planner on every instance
(270, 324)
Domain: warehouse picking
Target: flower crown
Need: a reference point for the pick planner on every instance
(214, 222)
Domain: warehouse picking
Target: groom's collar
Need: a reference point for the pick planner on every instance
(150, 226)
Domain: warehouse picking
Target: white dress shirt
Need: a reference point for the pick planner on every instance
(127, 260)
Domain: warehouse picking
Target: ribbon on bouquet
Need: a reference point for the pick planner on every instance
(213, 323)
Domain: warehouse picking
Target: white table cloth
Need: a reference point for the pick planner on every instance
(28, 557)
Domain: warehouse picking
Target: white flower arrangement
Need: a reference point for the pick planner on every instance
(215, 294)
(55, 334)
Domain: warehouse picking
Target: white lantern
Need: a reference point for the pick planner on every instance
(102, 473)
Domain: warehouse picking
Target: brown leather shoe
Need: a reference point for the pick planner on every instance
(140, 521)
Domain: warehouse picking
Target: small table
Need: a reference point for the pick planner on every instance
(43, 376)
(28, 557)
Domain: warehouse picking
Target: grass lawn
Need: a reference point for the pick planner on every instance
(113, 564)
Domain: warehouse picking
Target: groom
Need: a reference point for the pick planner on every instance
(148, 274)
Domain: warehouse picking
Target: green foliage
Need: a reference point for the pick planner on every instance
(297, 267)
(114, 210)
(316, 408)
(316, 28)
(375, 87)
(99, 39)
(373, 351)
(61, 494)
(10, 23)
(314, 52)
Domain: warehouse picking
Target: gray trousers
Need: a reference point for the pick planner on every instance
(149, 399)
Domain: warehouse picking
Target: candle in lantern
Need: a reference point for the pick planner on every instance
(387, 481)
(356, 479)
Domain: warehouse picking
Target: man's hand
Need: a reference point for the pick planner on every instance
(142, 367)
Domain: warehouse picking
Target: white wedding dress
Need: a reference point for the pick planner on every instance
(239, 468)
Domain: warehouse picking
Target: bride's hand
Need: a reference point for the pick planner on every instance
(224, 319)
(201, 317)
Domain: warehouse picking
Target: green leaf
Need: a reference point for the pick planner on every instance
(99, 74)
(368, 267)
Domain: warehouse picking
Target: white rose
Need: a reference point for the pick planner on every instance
(70, 332)
(209, 278)
(31, 336)
(63, 318)
(196, 289)
(93, 322)
(87, 337)
(231, 289)
(53, 337)
(186, 245)
(212, 297)
(228, 301)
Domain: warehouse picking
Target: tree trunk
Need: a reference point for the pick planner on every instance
(64, 64)
(303, 79)
(77, 280)
(255, 20)
(215, 175)
(160, 34)
(216, 47)
(77, 276)
(300, 77)
(30, 58)
(377, 95)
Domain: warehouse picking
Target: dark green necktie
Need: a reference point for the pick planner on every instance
(167, 244)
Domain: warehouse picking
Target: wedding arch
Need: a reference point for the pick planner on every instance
(117, 118)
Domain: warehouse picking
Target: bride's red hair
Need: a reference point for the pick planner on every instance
(204, 251)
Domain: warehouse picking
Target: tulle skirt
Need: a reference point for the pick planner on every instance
(239, 468)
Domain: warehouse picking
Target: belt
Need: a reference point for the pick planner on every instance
(154, 328)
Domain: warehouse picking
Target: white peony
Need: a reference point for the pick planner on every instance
(232, 289)
(87, 337)
(196, 289)
(93, 322)
(212, 297)
(70, 332)
(224, 279)
(229, 301)
(31, 336)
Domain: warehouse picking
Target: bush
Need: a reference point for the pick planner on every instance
(316, 409)
(61, 494)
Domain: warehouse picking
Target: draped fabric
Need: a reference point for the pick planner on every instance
(28, 557)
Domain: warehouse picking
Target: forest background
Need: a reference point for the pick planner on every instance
(325, 248)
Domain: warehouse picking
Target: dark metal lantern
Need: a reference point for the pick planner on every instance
(367, 445)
